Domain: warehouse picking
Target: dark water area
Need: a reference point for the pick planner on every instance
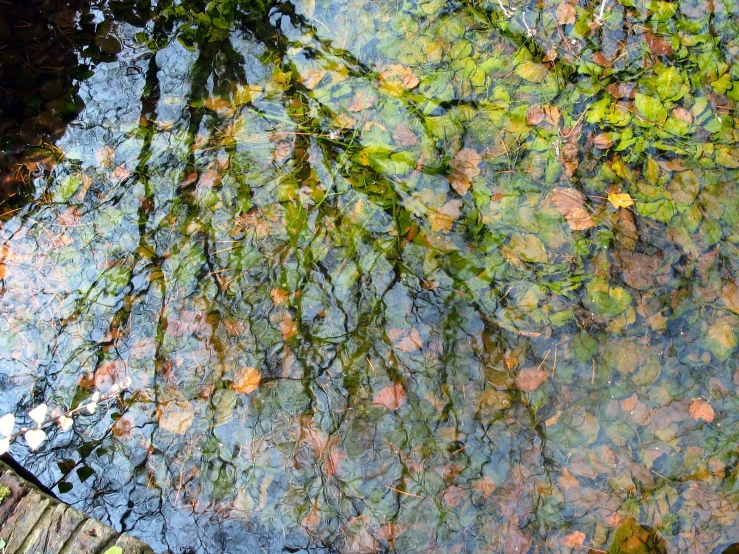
(386, 276)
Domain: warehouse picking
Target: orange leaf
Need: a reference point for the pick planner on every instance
(700, 409)
(176, 416)
(246, 380)
(566, 13)
(392, 397)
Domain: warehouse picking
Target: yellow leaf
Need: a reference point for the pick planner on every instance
(620, 200)
(246, 380)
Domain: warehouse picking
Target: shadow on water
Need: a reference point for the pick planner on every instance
(363, 264)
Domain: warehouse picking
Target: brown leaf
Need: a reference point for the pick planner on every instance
(288, 327)
(400, 73)
(361, 102)
(124, 427)
(105, 156)
(453, 496)
(660, 46)
(570, 203)
(176, 416)
(535, 115)
(246, 380)
(404, 136)
(566, 14)
(683, 115)
(444, 219)
(730, 296)
(602, 141)
(464, 167)
(529, 379)
(700, 409)
(405, 341)
(629, 403)
(574, 539)
(392, 397)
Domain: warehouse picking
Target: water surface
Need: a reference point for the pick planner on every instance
(387, 276)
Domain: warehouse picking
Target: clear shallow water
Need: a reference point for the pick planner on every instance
(359, 261)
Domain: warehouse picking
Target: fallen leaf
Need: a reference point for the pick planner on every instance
(104, 156)
(700, 409)
(361, 102)
(392, 397)
(622, 200)
(279, 296)
(288, 327)
(529, 379)
(444, 219)
(602, 141)
(246, 380)
(402, 74)
(571, 204)
(574, 539)
(176, 416)
(659, 45)
(311, 77)
(566, 14)
(535, 115)
(124, 427)
(464, 166)
(406, 341)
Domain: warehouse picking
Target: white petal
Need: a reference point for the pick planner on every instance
(4, 445)
(114, 389)
(65, 422)
(35, 437)
(7, 424)
(38, 414)
(91, 407)
(126, 382)
(95, 397)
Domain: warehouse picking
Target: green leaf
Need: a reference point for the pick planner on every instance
(605, 300)
(114, 550)
(651, 108)
(670, 84)
(67, 188)
(532, 72)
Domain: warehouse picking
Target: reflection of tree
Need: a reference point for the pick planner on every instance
(388, 354)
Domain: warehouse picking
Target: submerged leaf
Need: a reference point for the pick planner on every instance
(246, 380)
(701, 410)
(176, 416)
(623, 200)
(571, 204)
(392, 397)
(530, 378)
(464, 167)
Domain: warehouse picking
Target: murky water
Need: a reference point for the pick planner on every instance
(387, 276)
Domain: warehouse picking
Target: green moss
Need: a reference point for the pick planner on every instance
(4, 493)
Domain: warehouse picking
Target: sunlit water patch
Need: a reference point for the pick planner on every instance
(390, 277)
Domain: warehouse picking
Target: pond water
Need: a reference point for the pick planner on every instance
(401, 276)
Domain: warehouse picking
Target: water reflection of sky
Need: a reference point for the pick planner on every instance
(428, 359)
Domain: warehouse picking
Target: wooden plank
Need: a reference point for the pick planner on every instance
(31, 522)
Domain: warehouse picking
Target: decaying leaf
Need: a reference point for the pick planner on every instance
(444, 219)
(246, 380)
(529, 379)
(571, 204)
(701, 410)
(392, 397)
(464, 166)
(566, 14)
(176, 416)
(279, 296)
(405, 340)
(397, 78)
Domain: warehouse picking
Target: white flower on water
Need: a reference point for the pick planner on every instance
(38, 414)
(7, 424)
(34, 438)
(4, 445)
